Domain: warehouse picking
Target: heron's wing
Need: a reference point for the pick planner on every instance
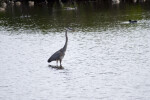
(55, 56)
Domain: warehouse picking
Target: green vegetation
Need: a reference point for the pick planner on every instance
(88, 15)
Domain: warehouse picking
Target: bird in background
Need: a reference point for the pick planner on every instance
(59, 55)
(132, 21)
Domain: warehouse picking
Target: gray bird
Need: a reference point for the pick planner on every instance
(59, 55)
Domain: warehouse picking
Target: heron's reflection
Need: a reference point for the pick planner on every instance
(56, 67)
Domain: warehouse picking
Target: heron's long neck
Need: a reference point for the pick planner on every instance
(65, 46)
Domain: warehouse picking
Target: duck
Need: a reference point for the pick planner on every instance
(132, 21)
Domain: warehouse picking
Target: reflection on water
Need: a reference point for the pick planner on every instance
(90, 16)
(107, 58)
(56, 67)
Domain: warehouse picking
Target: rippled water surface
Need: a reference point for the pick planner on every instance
(107, 58)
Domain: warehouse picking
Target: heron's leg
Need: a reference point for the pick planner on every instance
(57, 62)
(60, 63)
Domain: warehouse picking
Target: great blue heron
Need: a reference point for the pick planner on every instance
(59, 55)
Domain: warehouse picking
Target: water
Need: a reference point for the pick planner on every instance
(107, 58)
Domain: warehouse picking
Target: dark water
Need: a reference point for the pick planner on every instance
(107, 58)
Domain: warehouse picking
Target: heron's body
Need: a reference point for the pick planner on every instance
(59, 55)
